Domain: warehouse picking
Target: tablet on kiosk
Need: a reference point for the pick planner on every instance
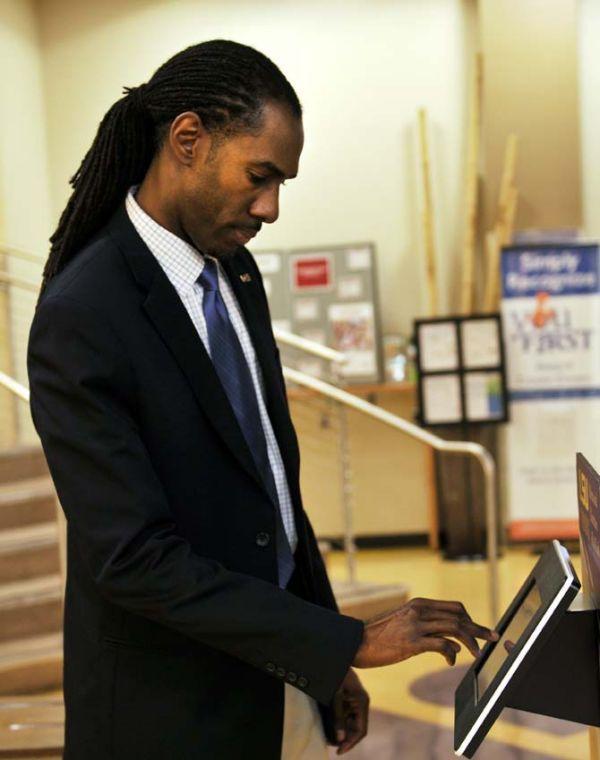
(525, 626)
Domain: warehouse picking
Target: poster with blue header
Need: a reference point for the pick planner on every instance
(551, 319)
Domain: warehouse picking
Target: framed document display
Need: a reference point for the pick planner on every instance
(462, 375)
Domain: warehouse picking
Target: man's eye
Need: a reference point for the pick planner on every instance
(260, 179)
(257, 179)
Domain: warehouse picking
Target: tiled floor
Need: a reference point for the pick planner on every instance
(412, 705)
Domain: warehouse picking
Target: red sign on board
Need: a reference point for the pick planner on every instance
(313, 272)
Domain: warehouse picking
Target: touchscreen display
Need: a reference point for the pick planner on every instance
(498, 654)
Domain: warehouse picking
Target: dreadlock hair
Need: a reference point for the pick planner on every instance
(225, 83)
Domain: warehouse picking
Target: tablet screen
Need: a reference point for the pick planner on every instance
(508, 638)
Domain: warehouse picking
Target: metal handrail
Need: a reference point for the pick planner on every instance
(18, 253)
(309, 346)
(481, 454)
(19, 282)
(12, 385)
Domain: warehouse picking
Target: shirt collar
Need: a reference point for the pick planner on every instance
(181, 262)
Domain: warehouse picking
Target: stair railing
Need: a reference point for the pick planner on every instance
(14, 387)
(9, 282)
(337, 358)
(481, 454)
(19, 282)
(19, 253)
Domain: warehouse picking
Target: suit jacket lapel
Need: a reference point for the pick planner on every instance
(170, 318)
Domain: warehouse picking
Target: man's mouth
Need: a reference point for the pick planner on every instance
(243, 235)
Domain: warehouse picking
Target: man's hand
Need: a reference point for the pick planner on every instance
(422, 625)
(351, 711)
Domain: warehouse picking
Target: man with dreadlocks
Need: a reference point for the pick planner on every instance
(199, 621)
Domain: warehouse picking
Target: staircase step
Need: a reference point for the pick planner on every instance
(30, 606)
(27, 501)
(29, 552)
(31, 664)
(32, 726)
(22, 462)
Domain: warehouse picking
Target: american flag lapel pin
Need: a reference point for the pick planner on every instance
(245, 277)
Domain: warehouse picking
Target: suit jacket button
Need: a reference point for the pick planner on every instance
(271, 667)
(302, 682)
(292, 677)
(262, 539)
(280, 672)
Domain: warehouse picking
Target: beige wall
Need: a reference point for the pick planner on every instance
(530, 79)
(361, 68)
(589, 93)
(24, 194)
(23, 178)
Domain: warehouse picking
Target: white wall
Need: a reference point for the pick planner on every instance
(24, 194)
(361, 69)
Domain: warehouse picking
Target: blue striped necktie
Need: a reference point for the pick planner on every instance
(233, 372)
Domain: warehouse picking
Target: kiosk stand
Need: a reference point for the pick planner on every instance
(536, 635)
(564, 679)
(546, 659)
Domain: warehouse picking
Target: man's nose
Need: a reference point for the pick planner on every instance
(266, 206)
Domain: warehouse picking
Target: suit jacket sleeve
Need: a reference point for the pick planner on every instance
(83, 406)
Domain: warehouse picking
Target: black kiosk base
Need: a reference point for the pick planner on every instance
(564, 679)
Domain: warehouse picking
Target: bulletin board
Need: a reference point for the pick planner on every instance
(328, 295)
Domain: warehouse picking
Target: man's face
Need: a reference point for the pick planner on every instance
(229, 190)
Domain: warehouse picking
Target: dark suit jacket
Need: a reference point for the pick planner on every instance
(177, 639)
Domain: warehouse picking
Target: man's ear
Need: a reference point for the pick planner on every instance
(188, 139)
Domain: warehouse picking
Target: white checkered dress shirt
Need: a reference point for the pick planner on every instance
(183, 265)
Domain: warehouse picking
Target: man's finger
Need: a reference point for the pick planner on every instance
(481, 631)
(474, 629)
(447, 648)
(453, 629)
(457, 608)
(352, 739)
(431, 609)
